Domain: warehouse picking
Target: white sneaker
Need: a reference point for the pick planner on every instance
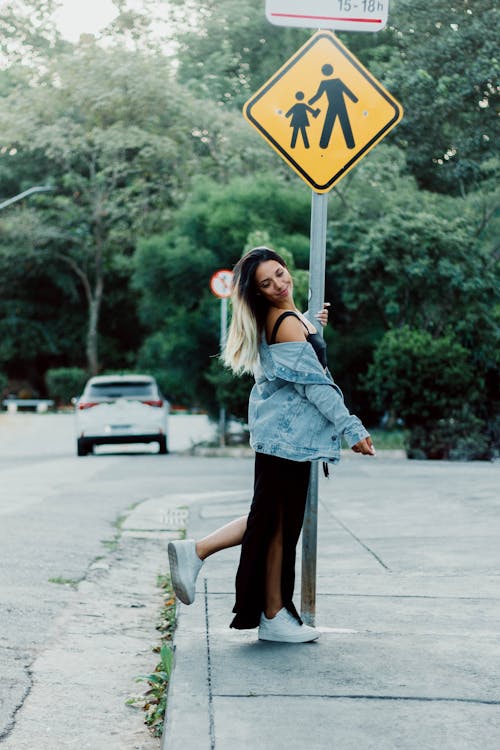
(184, 568)
(285, 628)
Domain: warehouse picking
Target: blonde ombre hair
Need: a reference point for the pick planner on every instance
(241, 352)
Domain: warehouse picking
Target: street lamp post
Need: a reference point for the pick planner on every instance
(25, 194)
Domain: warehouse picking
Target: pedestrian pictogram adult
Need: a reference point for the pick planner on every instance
(335, 91)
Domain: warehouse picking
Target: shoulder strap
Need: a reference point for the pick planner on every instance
(279, 321)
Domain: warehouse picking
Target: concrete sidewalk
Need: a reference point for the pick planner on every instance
(409, 611)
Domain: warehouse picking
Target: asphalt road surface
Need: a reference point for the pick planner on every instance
(58, 515)
(407, 586)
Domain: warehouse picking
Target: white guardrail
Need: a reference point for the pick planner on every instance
(39, 405)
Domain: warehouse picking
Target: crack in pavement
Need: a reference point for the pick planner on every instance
(7, 730)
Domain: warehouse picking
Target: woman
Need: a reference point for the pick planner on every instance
(296, 415)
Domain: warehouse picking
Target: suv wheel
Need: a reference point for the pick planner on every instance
(82, 447)
(162, 442)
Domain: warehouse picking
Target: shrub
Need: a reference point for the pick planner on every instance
(65, 383)
(230, 390)
(430, 383)
(461, 437)
(419, 377)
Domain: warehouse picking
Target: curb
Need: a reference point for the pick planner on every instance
(245, 452)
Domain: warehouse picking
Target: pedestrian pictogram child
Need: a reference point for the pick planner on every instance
(299, 119)
(334, 90)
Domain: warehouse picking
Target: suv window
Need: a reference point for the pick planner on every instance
(121, 390)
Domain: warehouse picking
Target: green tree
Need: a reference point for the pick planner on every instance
(40, 316)
(109, 141)
(444, 68)
(440, 61)
(172, 273)
(3, 383)
(150, 143)
(28, 34)
(227, 50)
(396, 256)
(424, 269)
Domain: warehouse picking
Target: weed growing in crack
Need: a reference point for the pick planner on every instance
(154, 701)
(73, 582)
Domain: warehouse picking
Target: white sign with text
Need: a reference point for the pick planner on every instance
(343, 15)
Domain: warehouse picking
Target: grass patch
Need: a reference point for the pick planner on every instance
(73, 582)
(388, 439)
(154, 700)
(112, 544)
(382, 439)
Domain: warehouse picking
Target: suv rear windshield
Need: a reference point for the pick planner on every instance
(121, 390)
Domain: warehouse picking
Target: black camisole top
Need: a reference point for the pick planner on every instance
(315, 339)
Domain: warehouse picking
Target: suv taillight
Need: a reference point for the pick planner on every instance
(153, 403)
(87, 404)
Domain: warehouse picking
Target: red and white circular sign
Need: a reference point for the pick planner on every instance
(221, 283)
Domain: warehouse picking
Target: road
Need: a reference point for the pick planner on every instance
(58, 521)
(408, 571)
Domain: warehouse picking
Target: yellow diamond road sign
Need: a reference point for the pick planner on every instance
(323, 111)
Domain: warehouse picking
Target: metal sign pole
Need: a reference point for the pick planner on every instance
(220, 285)
(317, 263)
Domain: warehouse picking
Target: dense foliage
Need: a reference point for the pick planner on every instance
(157, 181)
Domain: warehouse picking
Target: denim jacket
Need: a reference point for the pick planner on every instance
(296, 411)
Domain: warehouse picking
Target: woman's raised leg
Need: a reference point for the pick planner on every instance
(186, 556)
(227, 536)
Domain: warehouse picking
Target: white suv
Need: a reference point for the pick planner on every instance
(116, 409)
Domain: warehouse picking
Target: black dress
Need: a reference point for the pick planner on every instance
(280, 494)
